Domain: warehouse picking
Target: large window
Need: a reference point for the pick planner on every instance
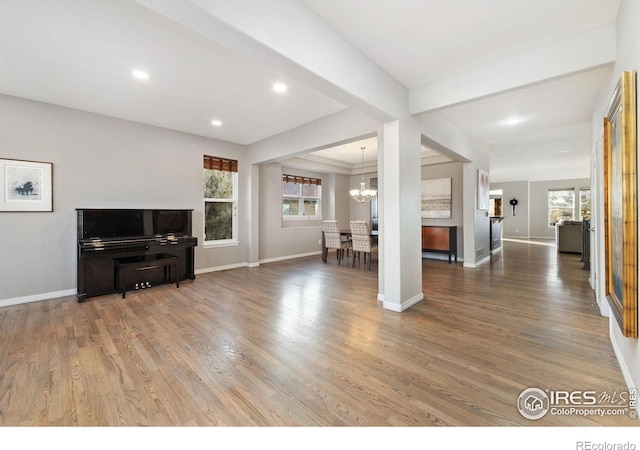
(220, 200)
(301, 197)
(561, 205)
(585, 204)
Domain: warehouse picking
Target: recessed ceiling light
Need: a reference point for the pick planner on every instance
(280, 87)
(512, 121)
(216, 123)
(564, 151)
(140, 74)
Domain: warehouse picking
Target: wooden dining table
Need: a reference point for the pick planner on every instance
(325, 250)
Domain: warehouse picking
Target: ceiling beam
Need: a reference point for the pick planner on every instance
(574, 54)
(335, 129)
(286, 36)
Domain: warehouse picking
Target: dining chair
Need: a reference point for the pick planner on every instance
(361, 240)
(333, 239)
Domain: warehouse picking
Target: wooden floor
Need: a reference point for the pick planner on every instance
(303, 343)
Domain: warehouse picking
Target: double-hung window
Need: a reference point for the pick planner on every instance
(301, 197)
(220, 200)
(561, 205)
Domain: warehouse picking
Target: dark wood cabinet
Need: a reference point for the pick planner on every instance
(441, 239)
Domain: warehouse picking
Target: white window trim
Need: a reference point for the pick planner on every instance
(221, 243)
(301, 200)
(573, 214)
(234, 222)
(579, 202)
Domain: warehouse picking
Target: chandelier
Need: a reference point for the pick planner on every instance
(363, 194)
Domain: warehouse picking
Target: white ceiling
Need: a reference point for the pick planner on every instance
(556, 117)
(418, 41)
(79, 54)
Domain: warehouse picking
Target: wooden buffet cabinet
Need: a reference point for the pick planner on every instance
(441, 239)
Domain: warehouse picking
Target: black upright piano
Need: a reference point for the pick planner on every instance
(109, 236)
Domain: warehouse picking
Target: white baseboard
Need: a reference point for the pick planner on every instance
(255, 264)
(624, 368)
(284, 258)
(219, 268)
(404, 305)
(477, 264)
(37, 297)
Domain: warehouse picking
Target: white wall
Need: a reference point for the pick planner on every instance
(98, 162)
(443, 136)
(103, 162)
(453, 171)
(359, 211)
(283, 239)
(627, 58)
(515, 226)
(342, 200)
(531, 219)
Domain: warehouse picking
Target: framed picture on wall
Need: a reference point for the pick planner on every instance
(26, 186)
(621, 205)
(483, 190)
(436, 198)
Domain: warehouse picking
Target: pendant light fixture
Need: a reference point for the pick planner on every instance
(363, 194)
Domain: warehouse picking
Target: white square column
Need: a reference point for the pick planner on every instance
(400, 222)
